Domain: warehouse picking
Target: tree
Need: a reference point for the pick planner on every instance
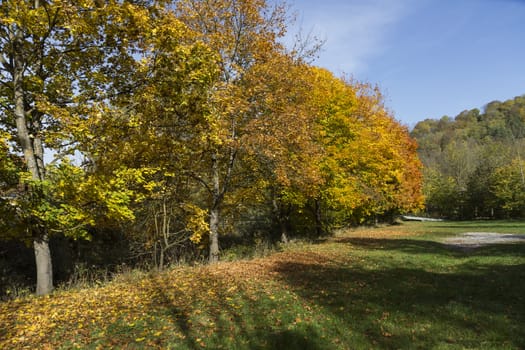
(509, 189)
(370, 164)
(61, 63)
(283, 137)
(164, 128)
(442, 198)
(242, 33)
(474, 145)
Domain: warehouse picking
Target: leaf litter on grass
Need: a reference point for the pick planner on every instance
(193, 296)
(336, 294)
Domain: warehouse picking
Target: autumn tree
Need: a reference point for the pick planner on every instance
(165, 131)
(509, 189)
(186, 107)
(243, 33)
(62, 63)
(370, 164)
(283, 136)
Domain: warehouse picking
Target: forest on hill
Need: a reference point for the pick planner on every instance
(151, 132)
(473, 163)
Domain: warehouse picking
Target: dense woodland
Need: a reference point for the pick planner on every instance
(151, 132)
(474, 166)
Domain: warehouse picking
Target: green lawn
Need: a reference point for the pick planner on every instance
(394, 287)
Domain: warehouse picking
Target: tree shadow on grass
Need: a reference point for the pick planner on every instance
(292, 339)
(239, 321)
(396, 306)
(385, 305)
(401, 307)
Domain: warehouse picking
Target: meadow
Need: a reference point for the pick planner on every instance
(394, 287)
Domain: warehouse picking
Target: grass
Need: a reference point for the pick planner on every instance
(388, 288)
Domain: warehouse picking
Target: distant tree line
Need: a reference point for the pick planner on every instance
(473, 163)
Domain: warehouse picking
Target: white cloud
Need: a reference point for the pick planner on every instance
(354, 30)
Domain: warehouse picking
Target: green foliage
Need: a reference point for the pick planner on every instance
(71, 201)
(443, 195)
(465, 159)
(509, 187)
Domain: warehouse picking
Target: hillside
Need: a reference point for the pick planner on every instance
(473, 163)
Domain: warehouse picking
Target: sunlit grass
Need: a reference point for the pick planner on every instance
(387, 288)
(438, 229)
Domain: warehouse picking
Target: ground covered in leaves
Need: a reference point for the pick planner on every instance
(395, 287)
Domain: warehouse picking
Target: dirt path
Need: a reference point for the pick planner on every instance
(478, 239)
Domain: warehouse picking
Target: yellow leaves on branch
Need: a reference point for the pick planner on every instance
(196, 222)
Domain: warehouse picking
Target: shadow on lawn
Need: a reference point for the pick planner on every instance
(475, 305)
(401, 307)
(239, 322)
(385, 306)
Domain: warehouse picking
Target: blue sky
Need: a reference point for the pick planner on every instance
(429, 57)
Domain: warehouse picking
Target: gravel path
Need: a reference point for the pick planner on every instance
(478, 239)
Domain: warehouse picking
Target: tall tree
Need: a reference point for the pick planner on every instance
(165, 130)
(283, 137)
(243, 33)
(61, 62)
(370, 166)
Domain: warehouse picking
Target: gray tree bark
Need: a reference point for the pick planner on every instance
(44, 267)
(214, 235)
(215, 212)
(33, 157)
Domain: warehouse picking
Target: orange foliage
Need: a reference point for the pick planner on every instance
(371, 165)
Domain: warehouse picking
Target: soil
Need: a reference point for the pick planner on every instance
(471, 240)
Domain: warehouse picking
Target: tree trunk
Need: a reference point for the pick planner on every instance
(278, 211)
(44, 278)
(215, 212)
(164, 243)
(160, 266)
(214, 235)
(283, 225)
(318, 218)
(284, 234)
(44, 268)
